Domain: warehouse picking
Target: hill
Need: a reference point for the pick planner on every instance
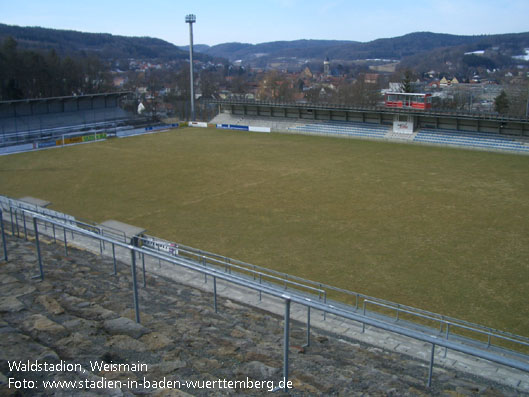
(490, 52)
(419, 50)
(245, 51)
(410, 48)
(106, 46)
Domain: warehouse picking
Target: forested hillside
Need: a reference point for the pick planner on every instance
(411, 48)
(106, 46)
(37, 74)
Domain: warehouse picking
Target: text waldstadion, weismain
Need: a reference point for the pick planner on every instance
(62, 366)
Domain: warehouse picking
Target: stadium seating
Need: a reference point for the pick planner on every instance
(471, 139)
(344, 128)
(275, 123)
(467, 139)
(56, 120)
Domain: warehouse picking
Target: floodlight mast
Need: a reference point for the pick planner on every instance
(191, 19)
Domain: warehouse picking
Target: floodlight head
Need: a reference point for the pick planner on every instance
(191, 18)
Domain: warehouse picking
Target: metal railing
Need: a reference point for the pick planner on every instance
(450, 323)
(57, 133)
(380, 109)
(447, 325)
(268, 288)
(415, 317)
(257, 273)
(16, 207)
(419, 319)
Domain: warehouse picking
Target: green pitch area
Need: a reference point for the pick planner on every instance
(445, 230)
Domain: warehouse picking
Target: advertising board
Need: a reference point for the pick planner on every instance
(198, 124)
(403, 127)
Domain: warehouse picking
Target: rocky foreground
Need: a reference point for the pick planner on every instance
(77, 326)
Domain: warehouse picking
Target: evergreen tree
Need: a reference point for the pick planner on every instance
(501, 103)
(31, 74)
(406, 81)
(10, 76)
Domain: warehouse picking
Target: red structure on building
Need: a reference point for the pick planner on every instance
(408, 100)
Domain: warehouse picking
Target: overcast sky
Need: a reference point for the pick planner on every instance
(258, 21)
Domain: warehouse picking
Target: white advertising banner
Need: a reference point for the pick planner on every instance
(259, 129)
(160, 245)
(403, 127)
(198, 124)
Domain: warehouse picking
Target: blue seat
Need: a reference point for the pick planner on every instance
(470, 139)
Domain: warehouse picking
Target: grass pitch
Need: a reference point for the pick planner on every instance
(441, 229)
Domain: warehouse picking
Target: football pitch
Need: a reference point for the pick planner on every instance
(441, 229)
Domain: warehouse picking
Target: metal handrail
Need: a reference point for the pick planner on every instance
(329, 304)
(309, 285)
(330, 106)
(489, 331)
(458, 322)
(18, 205)
(225, 261)
(59, 131)
(278, 293)
(206, 255)
(305, 283)
(252, 271)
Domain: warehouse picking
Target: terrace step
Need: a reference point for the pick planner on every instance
(71, 316)
(400, 136)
